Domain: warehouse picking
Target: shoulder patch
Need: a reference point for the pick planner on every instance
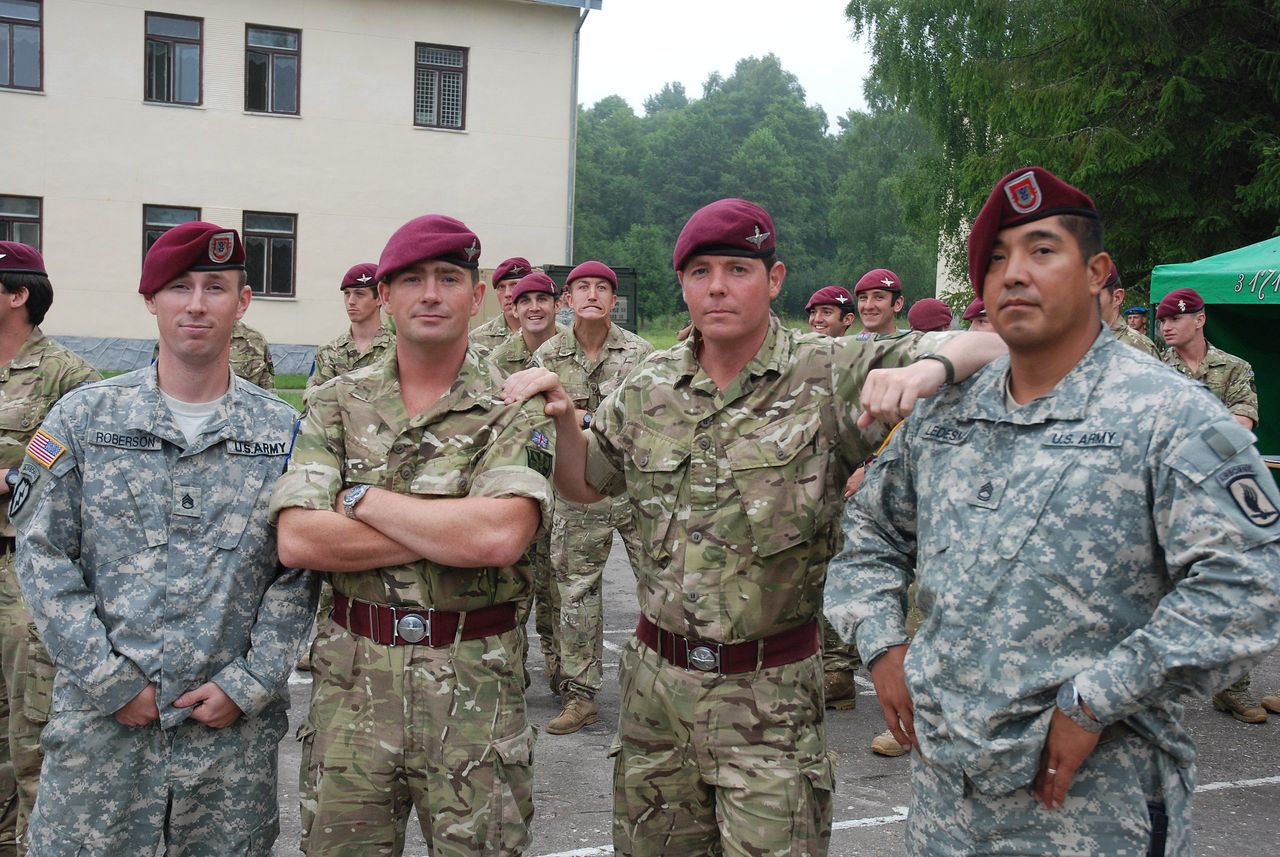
(45, 448)
(539, 460)
(1250, 497)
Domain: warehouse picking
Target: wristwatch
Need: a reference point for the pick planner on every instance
(587, 419)
(1070, 704)
(11, 478)
(946, 364)
(355, 495)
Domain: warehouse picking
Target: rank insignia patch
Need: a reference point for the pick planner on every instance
(45, 448)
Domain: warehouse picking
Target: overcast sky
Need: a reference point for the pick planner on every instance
(632, 47)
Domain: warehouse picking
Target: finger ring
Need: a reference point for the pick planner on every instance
(1051, 771)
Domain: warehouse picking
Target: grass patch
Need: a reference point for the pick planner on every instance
(291, 381)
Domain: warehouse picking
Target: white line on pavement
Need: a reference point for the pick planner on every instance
(1238, 784)
(613, 647)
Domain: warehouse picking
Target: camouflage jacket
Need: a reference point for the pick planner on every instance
(251, 356)
(489, 335)
(1126, 334)
(588, 381)
(1227, 376)
(1120, 531)
(341, 355)
(37, 376)
(735, 493)
(144, 559)
(513, 355)
(467, 444)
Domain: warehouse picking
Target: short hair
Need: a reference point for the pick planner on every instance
(1088, 232)
(39, 293)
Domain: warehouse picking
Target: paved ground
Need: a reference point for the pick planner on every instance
(1237, 809)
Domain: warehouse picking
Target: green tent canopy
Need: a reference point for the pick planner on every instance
(1241, 291)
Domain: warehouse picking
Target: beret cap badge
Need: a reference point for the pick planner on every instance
(1024, 193)
(221, 246)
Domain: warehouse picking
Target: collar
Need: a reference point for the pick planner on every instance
(773, 356)
(32, 350)
(473, 385)
(233, 420)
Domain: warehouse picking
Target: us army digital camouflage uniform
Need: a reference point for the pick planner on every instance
(341, 355)
(489, 335)
(735, 496)
(509, 357)
(251, 356)
(1120, 532)
(391, 728)
(146, 559)
(582, 535)
(1126, 334)
(39, 374)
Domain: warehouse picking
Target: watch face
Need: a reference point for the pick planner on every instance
(1067, 696)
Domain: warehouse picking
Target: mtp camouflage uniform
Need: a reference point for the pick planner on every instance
(582, 535)
(1120, 532)
(489, 335)
(39, 374)
(438, 726)
(1126, 334)
(148, 559)
(251, 356)
(341, 355)
(735, 495)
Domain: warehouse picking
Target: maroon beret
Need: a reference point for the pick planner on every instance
(726, 227)
(360, 276)
(432, 236)
(975, 308)
(592, 268)
(837, 296)
(194, 246)
(1113, 279)
(511, 269)
(878, 278)
(537, 282)
(929, 314)
(17, 258)
(1020, 197)
(1179, 301)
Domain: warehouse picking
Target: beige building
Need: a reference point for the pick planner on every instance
(316, 127)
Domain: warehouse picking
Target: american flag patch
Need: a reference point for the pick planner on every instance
(44, 448)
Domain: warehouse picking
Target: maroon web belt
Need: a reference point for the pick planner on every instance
(785, 647)
(406, 626)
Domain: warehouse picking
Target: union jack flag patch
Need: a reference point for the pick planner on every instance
(45, 449)
(540, 440)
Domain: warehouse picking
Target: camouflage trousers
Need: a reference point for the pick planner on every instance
(109, 789)
(397, 728)
(1106, 810)
(837, 655)
(546, 602)
(27, 673)
(581, 538)
(706, 764)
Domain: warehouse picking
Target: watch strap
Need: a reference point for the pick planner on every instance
(947, 365)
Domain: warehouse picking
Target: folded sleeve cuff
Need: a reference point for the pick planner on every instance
(245, 691)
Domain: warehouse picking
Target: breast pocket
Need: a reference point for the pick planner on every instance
(447, 475)
(124, 508)
(781, 473)
(654, 487)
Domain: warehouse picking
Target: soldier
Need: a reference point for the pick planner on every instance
(731, 448)
(879, 296)
(418, 491)
(929, 314)
(366, 340)
(145, 555)
(1136, 317)
(251, 356)
(495, 331)
(34, 373)
(1053, 510)
(1182, 318)
(534, 299)
(591, 360)
(831, 311)
(976, 314)
(1112, 298)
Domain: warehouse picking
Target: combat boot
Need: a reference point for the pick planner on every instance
(578, 711)
(1271, 702)
(1241, 706)
(839, 690)
(885, 744)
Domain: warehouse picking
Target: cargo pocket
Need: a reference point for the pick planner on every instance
(511, 807)
(37, 699)
(308, 781)
(812, 817)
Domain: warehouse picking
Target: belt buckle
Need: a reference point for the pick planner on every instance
(703, 657)
(411, 627)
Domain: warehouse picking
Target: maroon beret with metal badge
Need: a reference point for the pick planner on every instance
(836, 296)
(537, 282)
(592, 268)
(726, 227)
(19, 258)
(928, 314)
(429, 237)
(1113, 279)
(194, 246)
(360, 276)
(975, 308)
(1021, 197)
(878, 278)
(1179, 301)
(511, 269)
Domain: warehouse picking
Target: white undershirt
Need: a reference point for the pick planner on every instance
(192, 417)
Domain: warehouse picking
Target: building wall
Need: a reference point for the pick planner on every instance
(352, 166)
